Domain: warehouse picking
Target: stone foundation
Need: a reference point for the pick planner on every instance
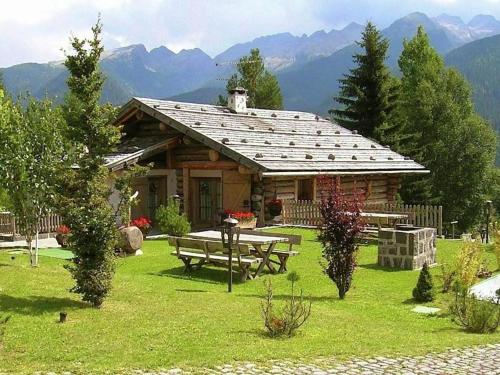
(406, 247)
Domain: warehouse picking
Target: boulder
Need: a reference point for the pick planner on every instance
(131, 239)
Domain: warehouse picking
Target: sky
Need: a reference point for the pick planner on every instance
(39, 30)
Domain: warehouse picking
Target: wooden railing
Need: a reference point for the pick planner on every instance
(9, 227)
(307, 213)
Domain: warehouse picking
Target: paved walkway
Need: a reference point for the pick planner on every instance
(477, 360)
(43, 243)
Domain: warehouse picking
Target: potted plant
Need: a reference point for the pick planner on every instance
(62, 234)
(275, 207)
(246, 220)
(143, 223)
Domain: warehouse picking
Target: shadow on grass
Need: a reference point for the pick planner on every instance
(204, 275)
(5, 265)
(377, 267)
(37, 305)
(284, 297)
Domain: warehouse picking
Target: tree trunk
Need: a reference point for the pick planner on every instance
(36, 244)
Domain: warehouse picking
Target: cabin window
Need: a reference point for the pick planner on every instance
(305, 189)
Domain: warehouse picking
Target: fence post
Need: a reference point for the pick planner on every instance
(440, 224)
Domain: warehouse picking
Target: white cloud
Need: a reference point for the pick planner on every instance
(36, 30)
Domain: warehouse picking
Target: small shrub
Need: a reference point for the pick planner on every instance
(339, 232)
(473, 314)
(171, 221)
(468, 263)
(447, 277)
(424, 291)
(294, 314)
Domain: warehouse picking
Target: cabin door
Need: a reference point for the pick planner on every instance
(206, 201)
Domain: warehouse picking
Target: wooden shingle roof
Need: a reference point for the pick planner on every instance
(278, 141)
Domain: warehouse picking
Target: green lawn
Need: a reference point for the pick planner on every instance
(158, 317)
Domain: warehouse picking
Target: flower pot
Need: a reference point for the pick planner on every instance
(62, 239)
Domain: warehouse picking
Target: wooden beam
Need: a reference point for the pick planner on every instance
(206, 165)
(245, 170)
(185, 191)
(213, 155)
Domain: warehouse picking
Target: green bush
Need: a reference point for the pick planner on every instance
(424, 291)
(447, 276)
(294, 314)
(171, 221)
(473, 314)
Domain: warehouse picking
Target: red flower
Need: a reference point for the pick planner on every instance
(63, 229)
(240, 215)
(141, 222)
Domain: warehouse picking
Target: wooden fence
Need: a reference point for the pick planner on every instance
(10, 229)
(307, 213)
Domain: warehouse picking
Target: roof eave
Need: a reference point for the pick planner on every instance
(342, 173)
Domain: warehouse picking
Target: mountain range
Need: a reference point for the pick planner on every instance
(308, 67)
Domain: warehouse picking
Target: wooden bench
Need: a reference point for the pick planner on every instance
(283, 255)
(214, 253)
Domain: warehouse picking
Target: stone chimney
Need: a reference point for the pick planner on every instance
(237, 100)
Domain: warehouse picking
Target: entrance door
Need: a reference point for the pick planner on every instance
(207, 201)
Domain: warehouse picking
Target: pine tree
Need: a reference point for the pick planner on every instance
(262, 87)
(442, 132)
(424, 291)
(86, 208)
(368, 92)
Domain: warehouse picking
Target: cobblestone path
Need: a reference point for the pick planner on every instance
(476, 360)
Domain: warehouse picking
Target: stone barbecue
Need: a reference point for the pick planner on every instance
(406, 247)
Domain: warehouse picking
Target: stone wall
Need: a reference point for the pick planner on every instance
(406, 248)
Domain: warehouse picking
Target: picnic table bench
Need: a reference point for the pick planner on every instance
(262, 245)
(212, 252)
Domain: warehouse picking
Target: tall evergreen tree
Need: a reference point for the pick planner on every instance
(368, 92)
(86, 207)
(445, 134)
(262, 87)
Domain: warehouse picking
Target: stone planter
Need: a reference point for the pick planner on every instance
(406, 247)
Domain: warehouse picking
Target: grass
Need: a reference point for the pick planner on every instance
(158, 317)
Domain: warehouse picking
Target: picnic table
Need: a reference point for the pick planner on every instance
(383, 218)
(263, 245)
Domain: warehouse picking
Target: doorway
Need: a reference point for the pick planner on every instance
(207, 202)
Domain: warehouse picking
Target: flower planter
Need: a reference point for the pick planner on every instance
(247, 224)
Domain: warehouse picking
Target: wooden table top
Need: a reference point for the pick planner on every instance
(383, 215)
(215, 235)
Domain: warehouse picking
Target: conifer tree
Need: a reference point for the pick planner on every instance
(368, 92)
(442, 132)
(424, 291)
(262, 87)
(86, 208)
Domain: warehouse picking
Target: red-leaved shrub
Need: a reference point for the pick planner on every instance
(341, 226)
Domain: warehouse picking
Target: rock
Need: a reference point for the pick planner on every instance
(138, 252)
(131, 239)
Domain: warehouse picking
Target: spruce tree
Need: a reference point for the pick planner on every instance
(442, 132)
(368, 92)
(424, 291)
(86, 208)
(262, 87)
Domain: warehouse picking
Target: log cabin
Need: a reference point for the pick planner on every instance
(217, 158)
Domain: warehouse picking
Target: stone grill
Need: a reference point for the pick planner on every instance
(406, 247)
